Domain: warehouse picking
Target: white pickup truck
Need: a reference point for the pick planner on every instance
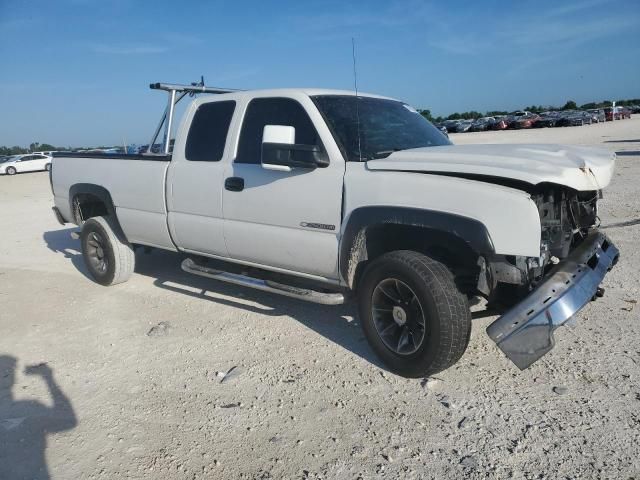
(322, 195)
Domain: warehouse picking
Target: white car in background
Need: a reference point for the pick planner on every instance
(25, 163)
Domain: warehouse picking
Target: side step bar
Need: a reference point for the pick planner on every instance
(190, 266)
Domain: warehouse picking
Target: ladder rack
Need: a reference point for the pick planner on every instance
(176, 93)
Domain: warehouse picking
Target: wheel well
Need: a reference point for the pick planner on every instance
(446, 247)
(87, 205)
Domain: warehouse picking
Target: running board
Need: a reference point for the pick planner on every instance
(190, 266)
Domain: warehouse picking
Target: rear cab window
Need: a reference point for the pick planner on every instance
(207, 135)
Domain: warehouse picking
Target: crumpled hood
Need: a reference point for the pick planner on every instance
(581, 168)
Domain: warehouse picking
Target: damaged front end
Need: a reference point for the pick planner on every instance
(550, 289)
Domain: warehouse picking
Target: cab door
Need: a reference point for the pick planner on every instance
(195, 178)
(284, 219)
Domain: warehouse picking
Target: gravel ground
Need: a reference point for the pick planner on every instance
(173, 376)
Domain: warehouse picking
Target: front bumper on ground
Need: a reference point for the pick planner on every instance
(525, 332)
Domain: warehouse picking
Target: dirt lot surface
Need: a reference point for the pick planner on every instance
(134, 384)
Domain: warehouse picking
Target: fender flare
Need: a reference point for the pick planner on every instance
(103, 194)
(473, 232)
(97, 191)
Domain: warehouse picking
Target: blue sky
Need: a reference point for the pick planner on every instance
(76, 72)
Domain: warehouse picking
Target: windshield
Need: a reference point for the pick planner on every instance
(384, 126)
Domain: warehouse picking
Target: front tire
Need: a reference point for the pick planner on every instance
(47, 167)
(108, 256)
(413, 315)
(10, 171)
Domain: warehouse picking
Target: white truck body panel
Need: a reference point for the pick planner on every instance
(136, 188)
(581, 168)
(275, 205)
(194, 194)
(498, 208)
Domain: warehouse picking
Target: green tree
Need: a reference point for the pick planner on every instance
(45, 147)
(426, 114)
(570, 105)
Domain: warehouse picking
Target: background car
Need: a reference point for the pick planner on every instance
(573, 118)
(482, 124)
(500, 123)
(25, 163)
(522, 120)
(587, 117)
(464, 126)
(546, 119)
(597, 115)
(612, 113)
(451, 125)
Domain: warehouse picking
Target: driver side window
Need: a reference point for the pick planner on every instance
(272, 111)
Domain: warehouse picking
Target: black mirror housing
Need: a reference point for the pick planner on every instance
(294, 155)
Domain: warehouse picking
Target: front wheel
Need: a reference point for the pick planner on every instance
(10, 171)
(47, 167)
(108, 256)
(413, 315)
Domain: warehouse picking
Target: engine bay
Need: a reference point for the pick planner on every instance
(565, 218)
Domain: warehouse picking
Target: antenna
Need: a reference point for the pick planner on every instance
(355, 85)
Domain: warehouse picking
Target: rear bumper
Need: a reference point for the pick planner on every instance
(525, 332)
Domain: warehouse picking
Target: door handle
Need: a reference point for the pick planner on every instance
(234, 184)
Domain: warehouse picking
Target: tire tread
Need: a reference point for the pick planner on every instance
(124, 256)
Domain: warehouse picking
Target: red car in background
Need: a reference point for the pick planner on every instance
(617, 113)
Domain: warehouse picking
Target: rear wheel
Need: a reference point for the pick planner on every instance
(108, 256)
(413, 315)
(11, 171)
(47, 167)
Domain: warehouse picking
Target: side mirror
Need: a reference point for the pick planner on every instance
(280, 152)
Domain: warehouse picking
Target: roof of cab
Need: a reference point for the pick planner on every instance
(277, 92)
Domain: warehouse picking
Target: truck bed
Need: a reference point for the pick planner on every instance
(136, 184)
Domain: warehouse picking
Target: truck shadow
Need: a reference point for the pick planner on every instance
(337, 323)
(60, 241)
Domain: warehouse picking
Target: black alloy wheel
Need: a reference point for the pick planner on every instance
(96, 254)
(398, 316)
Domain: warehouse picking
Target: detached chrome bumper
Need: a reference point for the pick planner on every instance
(525, 332)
